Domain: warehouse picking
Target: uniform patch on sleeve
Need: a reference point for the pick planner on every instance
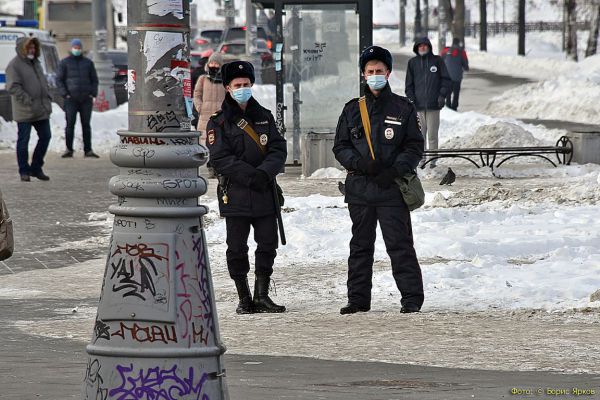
(210, 137)
(264, 139)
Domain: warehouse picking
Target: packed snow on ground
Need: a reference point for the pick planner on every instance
(328, 173)
(561, 89)
(495, 255)
(572, 96)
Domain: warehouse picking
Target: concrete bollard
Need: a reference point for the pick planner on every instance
(156, 334)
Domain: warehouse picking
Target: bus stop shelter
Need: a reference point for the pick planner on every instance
(316, 48)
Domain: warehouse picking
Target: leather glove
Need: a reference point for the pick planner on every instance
(369, 166)
(260, 181)
(385, 178)
(441, 101)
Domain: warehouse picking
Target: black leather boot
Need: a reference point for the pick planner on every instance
(262, 302)
(245, 304)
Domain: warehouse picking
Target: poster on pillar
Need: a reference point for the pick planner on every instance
(181, 71)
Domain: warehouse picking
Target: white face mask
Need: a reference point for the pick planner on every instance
(422, 53)
(31, 56)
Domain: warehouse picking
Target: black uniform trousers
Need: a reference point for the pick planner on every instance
(397, 234)
(266, 238)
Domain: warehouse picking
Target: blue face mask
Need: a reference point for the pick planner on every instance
(376, 82)
(76, 52)
(242, 95)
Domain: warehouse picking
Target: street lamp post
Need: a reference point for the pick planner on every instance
(156, 329)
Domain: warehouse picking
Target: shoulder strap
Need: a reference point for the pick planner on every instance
(246, 127)
(364, 115)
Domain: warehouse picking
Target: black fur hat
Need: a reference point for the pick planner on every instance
(375, 53)
(237, 69)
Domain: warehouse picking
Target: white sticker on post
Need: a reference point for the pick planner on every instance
(157, 45)
(164, 7)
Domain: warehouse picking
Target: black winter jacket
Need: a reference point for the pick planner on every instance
(235, 156)
(77, 78)
(427, 79)
(397, 142)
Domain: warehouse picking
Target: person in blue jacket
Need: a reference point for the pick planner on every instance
(77, 82)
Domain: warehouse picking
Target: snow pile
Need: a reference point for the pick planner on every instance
(545, 258)
(104, 131)
(328, 173)
(499, 134)
(573, 96)
(464, 129)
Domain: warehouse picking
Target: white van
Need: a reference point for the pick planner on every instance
(10, 31)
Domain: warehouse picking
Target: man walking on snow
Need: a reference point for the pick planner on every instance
(427, 85)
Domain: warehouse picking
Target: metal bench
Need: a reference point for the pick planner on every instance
(563, 150)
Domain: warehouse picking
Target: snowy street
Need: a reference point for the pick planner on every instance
(510, 257)
(513, 301)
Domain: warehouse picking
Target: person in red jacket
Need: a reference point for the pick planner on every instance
(455, 58)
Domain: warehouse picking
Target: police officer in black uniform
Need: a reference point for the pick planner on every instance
(371, 192)
(247, 159)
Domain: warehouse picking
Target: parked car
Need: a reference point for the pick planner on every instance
(261, 58)
(237, 49)
(239, 33)
(206, 39)
(119, 61)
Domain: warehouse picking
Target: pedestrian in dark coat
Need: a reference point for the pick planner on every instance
(371, 192)
(427, 85)
(78, 84)
(247, 168)
(456, 61)
(31, 106)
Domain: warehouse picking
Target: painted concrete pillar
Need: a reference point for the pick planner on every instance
(156, 334)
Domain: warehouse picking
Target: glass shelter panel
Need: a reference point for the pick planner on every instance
(321, 64)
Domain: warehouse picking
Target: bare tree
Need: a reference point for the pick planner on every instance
(458, 24)
(592, 45)
(426, 17)
(417, 28)
(483, 25)
(444, 21)
(521, 13)
(571, 7)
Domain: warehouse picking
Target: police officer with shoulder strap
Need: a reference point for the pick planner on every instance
(378, 139)
(247, 152)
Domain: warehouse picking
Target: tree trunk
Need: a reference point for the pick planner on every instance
(483, 25)
(426, 17)
(402, 23)
(418, 30)
(572, 30)
(458, 25)
(592, 45)
(521, 50)
(444, 20)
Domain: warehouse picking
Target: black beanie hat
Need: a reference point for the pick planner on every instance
(375, 53)
(237, 69)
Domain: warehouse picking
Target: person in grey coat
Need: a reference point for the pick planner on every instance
(31, 106)
(78, 84)
(456, 61)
